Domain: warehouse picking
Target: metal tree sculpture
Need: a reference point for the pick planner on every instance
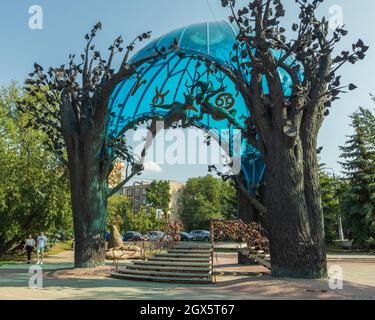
(288, 86)
(71, 107)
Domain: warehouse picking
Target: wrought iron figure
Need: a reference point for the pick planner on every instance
(176, 111)
(221, 110)
(159, 97)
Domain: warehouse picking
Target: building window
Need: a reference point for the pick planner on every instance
(136, 192)
(130, 192)
(144, 191)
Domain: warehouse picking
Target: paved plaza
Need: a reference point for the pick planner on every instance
(233, 281)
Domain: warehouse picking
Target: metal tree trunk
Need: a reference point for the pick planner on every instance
(89, 201)
(294, 212)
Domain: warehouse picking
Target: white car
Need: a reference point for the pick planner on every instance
(202, 235)
(155, 235)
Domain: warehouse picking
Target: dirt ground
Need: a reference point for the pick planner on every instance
(233, 281)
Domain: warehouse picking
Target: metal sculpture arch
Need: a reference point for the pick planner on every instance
(162, 88)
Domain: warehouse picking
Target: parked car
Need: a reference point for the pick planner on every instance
(187, 237)
(132, 236)
(154, 235)
(201, 235)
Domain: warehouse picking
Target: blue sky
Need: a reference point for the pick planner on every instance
(66, 22)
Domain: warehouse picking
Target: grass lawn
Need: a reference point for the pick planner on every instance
(20, 255)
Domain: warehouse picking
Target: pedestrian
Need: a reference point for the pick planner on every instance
(29, 246)
(41, 245)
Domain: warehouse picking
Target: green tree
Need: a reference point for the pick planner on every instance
(158, 195)
(229, 199)
(330, 205)
(119, 206)
(120, 213)
(142, 221)
(204, 199)
(358, 202)
(34, 189)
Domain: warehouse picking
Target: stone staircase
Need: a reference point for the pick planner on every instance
(258, 256)
(185, 263)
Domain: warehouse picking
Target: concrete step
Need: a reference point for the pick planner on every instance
(173, 263)
(193, 247)
(164, 273)
(184, 255)
(264, 262)
(182, 259)
(259, 256)
(160, 279)
(194, 244)
(189, 251)
(168, 268)
(184, 263)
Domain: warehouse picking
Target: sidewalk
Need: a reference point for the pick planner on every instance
(233, 282)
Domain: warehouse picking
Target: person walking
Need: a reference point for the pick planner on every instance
(41, 245)
(29, 246)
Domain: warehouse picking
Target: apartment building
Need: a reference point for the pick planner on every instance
(138, 192)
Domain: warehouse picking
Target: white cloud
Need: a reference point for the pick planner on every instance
(151, 167)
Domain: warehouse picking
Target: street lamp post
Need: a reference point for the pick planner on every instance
(342, 241)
